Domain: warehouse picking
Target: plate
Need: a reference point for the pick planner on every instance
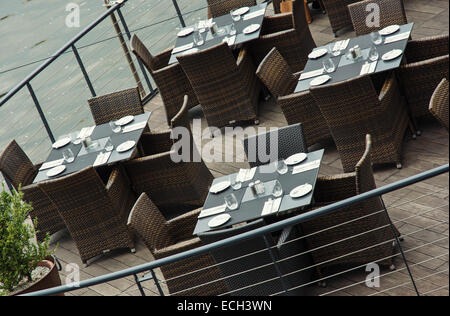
(389, 29)
(219, 220)
(319, 80)
(392, 54)
(240, 11)
(317, 53)
(126, 146)
(185, 32)
(301, 190)
(251, 28)
(55, 171)
(295, 159)
(61, 143)
(219, 187)
(125, 120)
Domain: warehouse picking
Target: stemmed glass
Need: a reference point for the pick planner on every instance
(277, 190)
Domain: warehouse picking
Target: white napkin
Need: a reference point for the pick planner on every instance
(230, 40)
(52, 164)
(102, 158)
(86, 132)
(182, 48)
(271, 206)
(344, 44)
(134, 127)
(310, 74)
(204, 23)
(212, 211)
(252, 15)
(246, 174)
(368, 68)
(396, 38)
(306, 167)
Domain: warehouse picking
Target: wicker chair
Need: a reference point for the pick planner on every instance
(391, 12)
(322, 231)
(426, 48)
(165, 238)
(218, 8)
(277, 76)
(95, 214)
(294, 44)
(290, 140)
(170, 79)
(439, 103)
(338, 13)
(228, 90)
(353, 108)
(175, 187)
(18, 170)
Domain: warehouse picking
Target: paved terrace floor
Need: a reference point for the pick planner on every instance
(430, 150)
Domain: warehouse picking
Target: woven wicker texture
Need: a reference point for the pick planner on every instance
(170, 79)
(334, 188)
(164, 238)
(391, 12)
(218, 8)
(294, 44)
(95, 214)
(338, 13)
(228, 90)
(426, 48)
(439, 103)
(353, 109)
(16, 166)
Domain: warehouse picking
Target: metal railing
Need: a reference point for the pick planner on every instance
(404, 276)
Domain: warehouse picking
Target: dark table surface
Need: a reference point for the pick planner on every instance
(88, 159)
(225, 21)
(251, 209)
(353, 69)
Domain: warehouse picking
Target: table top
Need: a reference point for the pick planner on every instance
(250, 209)
(225, 21)
(346, 70)
(85, 159)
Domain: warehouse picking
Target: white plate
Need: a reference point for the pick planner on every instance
(185, 32)
(389, 29)
(319, 80)
(55, 171)
(126, 146)
(219, 220)
(392, 54)
(61, 143)
(301, 190)
(295, 159)
(240, 11)
(251, 28)
(317, 53)
(125, 120)
(219, 187)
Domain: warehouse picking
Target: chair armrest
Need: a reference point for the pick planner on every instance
(156, 142)
(183, 226)
(178, 248)
(162, 59)
(335, 188)
(426, 48)
(390, 93)
(277, 23)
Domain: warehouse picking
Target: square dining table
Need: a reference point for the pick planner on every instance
(251, 207)
(347, 68)
(256, 14)
(85, 158)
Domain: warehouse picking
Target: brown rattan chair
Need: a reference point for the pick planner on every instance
(391, 12)
(18, 170)
(294, 44)
(228, 90)
(353, 108)
(218, 8)
(165, 238)
(330, 236)
(277, 76)
(338, 13)
(439, 103)
(426, 48)
(95, 214)
(170, 79)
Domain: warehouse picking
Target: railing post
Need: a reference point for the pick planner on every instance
(180, 16)
(83, 70)
(277, 268)
(41, 114)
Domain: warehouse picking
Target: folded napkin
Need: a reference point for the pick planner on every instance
(134, 127)
(182, 48)
(52, 164)
(86, 132)
(252, 15)
(245, 174)
(271, 206)
(306, 167)
(102, 158)
(212, 211)
(396, 38)
(310, 74)
(344, 44)
(230, 40)
(368, 68)
(204, 23)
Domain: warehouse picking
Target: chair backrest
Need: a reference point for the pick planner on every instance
(181, 119)
(140, 50)
(390, 12)
(110, 107)
(238, 283)
(15, 165)
(364, 173)
(439, 103)
(290, 140)
(301, 24)
(220, 7)
(276, 74)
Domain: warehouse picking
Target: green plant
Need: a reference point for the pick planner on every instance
(19, 253)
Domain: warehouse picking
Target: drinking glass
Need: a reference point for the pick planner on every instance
(236, 185)
(233, 29)
(231, 202)
(329, 65)
(74, 138)
(235, 17)
(68, 155)
(109, 145)
(114, 127)
(373, 53)
(198, 38)
(282, 168)
(201, 25)
(333, 52)
(277, 190)
(377, 39)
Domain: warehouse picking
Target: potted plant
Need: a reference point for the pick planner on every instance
(25, 264)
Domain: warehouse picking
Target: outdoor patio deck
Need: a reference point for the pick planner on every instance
(428, 151)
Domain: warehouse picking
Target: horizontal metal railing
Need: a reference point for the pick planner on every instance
(290, 222)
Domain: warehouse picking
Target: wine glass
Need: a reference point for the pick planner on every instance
(109, 145)
(277, 190)
(233, 29)
(373, 54)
